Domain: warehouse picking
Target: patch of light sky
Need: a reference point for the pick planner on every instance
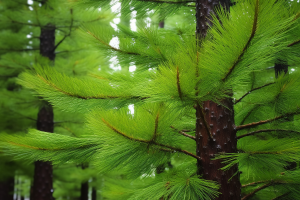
(114, 63)
(116, 7)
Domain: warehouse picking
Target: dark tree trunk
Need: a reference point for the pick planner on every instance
(217, 121)
(47, 41)
(161, 24)
(42, 188)
(84, 190)
(7, 189)
(94, 193)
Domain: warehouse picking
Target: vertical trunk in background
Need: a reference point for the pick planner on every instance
(42, 188)
(217, 120)
(84, 190)
(94, 193)
(7, 189)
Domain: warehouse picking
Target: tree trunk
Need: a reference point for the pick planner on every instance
(7, 189)
(94, 193)
(215, 120)
(42, 188)
(84, 191)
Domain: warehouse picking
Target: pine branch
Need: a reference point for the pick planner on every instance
(253, 183)
(155, 128)
(254, 27)
(184, 134)
(70, 30)
(178, 83)
(237, 101)
(251, 125)
(249, 113)
(23, 23)
(265, 130)
(280, 197)
(111, 47)
(86, 97)
(294, 43)
(149, 142)
(257, 190)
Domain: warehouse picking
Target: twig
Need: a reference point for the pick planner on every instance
(294, 43)
(265, 130)
(252, 91)
(283, 195)
(184, 134)
(241, 127)
(111, 47)
(254, 27)
(173, 149)
(253, 183)
(70, 30)
(178, 83)
(258, 189)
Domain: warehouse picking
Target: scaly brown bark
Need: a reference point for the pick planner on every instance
(42, 188)
(215, 128)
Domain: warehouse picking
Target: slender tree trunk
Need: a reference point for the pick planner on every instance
(7, 189)
(94, 193)
(42, 188)
(215, 128)
(84, 189)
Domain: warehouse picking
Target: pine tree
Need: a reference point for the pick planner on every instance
(241, 140)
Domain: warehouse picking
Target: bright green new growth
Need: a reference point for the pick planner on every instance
(232, 59)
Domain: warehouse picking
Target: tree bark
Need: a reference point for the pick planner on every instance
(7, 189)
(215, 128)
(42, 188)
(84, 189)
(94, 193)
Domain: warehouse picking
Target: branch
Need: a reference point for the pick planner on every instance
(170, 148)
(87, 97)
(178, 83)
(280, 197)
(29, 24)
(254, 27)
(253, 183)
(265, 130)
(111, 47)
(257, 190)
(252, 91)
(241, 127)
(184, 134)
(70, 30)
(294, 43)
